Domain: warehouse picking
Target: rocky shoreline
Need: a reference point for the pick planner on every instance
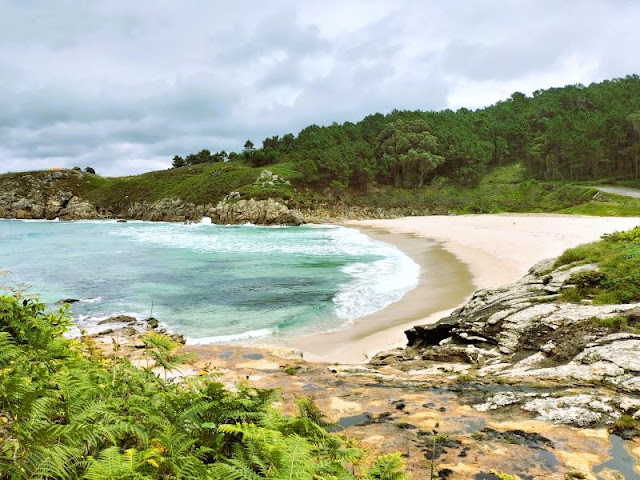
(515, 381)
(54, 195)
(523, 334)
(42, 197)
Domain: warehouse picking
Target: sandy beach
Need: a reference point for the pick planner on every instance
(458, 255)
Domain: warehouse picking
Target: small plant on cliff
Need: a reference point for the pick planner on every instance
(387, 467)
(618, 323)
(161, 349)
(292, 369)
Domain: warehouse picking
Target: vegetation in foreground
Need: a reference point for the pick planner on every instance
(618, 277)
(66, 412)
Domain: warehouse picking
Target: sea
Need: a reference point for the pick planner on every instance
(210, 283)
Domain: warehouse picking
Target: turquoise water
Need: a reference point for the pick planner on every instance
(210, 283)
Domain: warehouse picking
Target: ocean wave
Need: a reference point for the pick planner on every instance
(375, 286)
(263, 332)
(91, 300)
(379, 274)
(310, 241)
(341, 271)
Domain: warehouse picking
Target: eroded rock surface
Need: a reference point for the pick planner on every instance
(522, 334)
(234, 211)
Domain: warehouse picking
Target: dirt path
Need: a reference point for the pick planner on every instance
(624, 191)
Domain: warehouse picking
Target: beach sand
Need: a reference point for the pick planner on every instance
(458, 255)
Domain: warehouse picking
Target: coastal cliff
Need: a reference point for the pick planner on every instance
(59, 194)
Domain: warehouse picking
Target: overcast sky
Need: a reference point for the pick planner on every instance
(125, 85)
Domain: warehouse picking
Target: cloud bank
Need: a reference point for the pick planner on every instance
(123, 86)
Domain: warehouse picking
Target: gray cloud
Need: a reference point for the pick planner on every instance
(124, 86)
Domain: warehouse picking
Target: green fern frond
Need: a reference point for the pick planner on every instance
(233, 470)
(387, 467)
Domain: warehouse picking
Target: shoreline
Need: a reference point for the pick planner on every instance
(431, 300)
(496, 249)
(457, 255)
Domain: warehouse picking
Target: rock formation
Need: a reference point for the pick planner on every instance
(49, 195)
(522, 334)
(260, 212)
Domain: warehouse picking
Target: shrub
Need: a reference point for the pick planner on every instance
(618, 279)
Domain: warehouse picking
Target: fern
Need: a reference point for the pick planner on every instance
(68, 412)
(387, 467)
(130, 465)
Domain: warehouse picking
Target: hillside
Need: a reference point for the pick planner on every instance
(189, 193)
(542, 153)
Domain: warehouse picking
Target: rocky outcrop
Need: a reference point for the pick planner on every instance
(77, 209)
(234, 211)
(166, 210)
(50, 195)
(523, 334)
(44, 195)
(268, 178)
(522, 328)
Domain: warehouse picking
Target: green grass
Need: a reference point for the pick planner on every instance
(199, 184)
(626, 421)
(618, 258)
(604, 204)
(503, 189)
(515, 173)
(292, 369)
(489, 197)
(619, 323)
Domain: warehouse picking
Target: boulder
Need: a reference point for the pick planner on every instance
(232, 211)
(421, 336)
(118, 319)
(77, 209)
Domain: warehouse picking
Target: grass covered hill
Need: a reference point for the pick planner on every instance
(508, 188)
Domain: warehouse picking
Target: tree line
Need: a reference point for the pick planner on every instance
(571, 133)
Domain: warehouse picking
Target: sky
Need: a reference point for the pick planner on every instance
(123, 85)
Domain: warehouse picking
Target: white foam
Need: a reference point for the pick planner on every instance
(376, 285)
(205, 221)
(378, 274)
(327, 241)
(91, 300)
(373, 285)
(263, 332)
